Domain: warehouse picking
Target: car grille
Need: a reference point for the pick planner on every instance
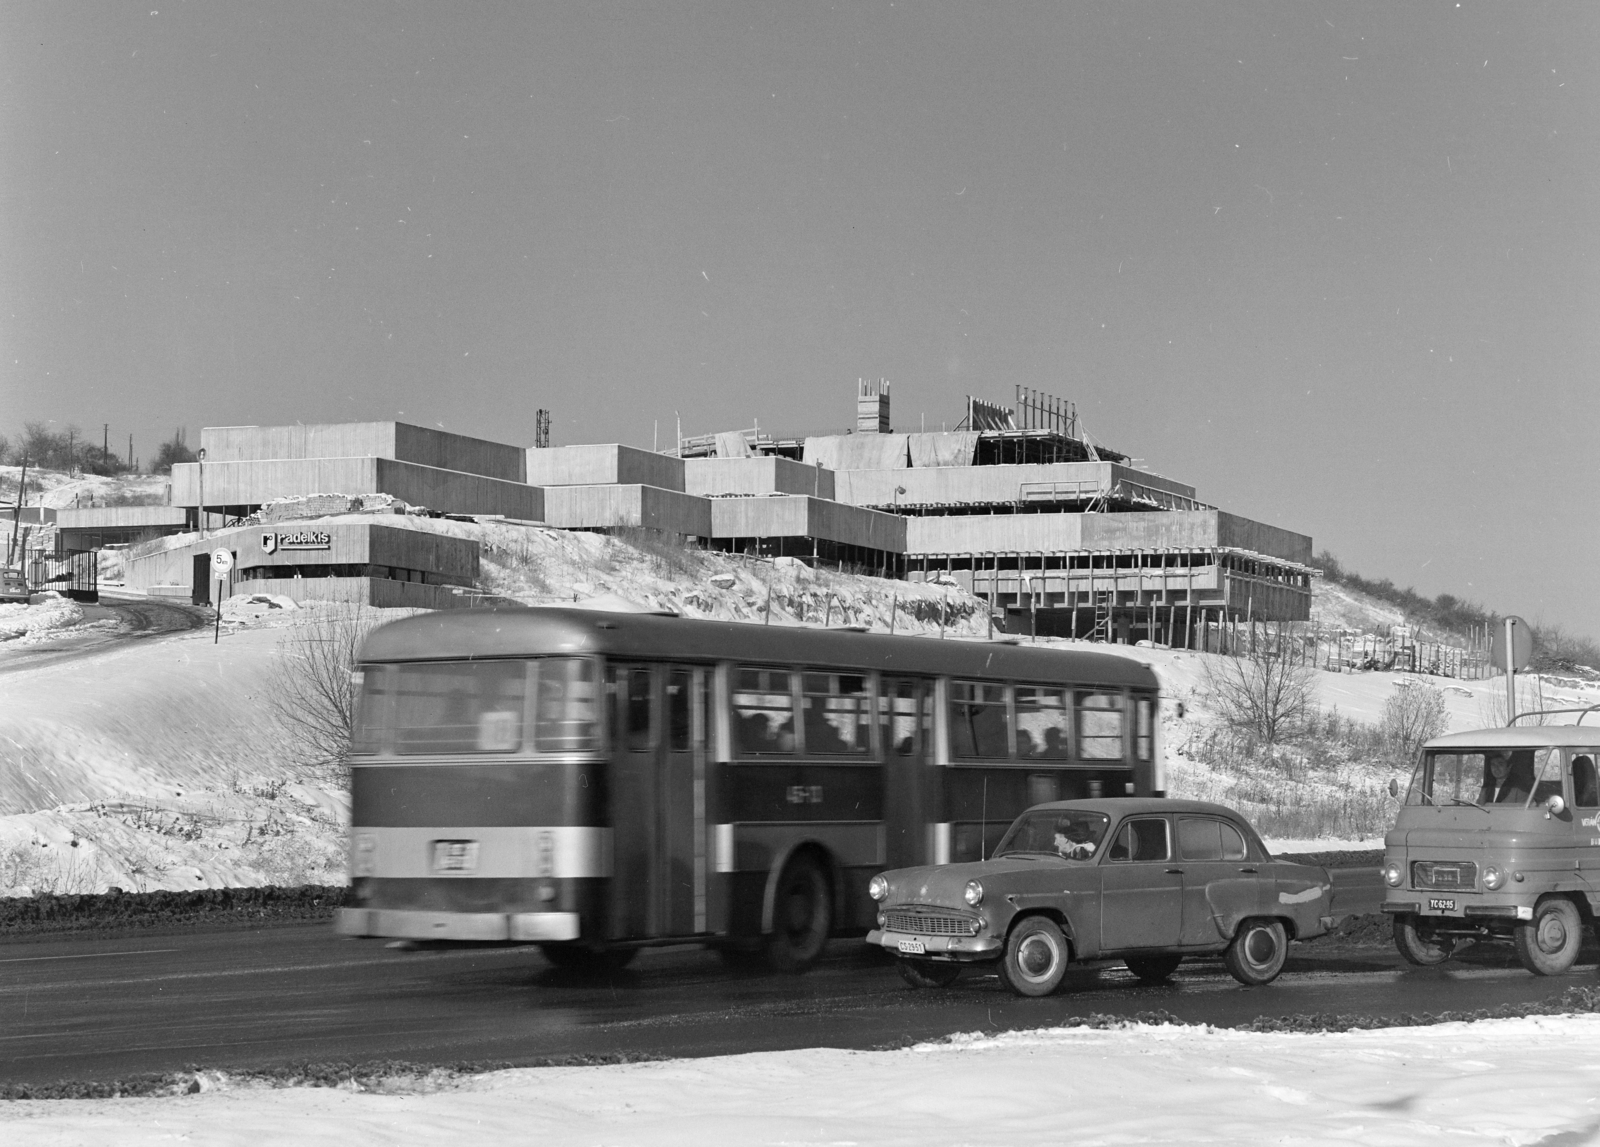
(928, 924)
(1444, 874)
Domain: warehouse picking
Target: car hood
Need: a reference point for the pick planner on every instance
(945, 884)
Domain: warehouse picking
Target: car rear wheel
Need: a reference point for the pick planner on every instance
(802, 915)
(928, 973)
(1153, 969)
(1548, 944)
(1035, 959)
(1419, 944)
(1257, 953)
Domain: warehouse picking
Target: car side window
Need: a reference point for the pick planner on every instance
(1585, 783)
(1199, 838)
(1233, 845)
(1142, 839)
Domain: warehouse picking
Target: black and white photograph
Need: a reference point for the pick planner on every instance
(906, 572)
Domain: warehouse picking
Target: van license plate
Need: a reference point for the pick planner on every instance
(455, 856)
(913, 948)
(1441, 904)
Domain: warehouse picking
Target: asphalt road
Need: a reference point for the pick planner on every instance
(97, 1009)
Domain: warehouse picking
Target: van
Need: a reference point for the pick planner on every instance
(1498, 839)
(13, 585)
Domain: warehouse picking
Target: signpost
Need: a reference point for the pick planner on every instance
(1512, 649)
(221, 565)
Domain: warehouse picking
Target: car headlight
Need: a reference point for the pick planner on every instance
(1493, 877)
(1393, 875)
(974, 893)
(878, 888)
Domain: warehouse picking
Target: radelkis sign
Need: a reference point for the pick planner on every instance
(296, 540)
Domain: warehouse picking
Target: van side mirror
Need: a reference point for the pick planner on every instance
(1394, 787)
(1554, 805)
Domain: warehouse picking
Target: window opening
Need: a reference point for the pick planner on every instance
(1044, 727)
(763, 710)
(1100, 721)
(978, 724)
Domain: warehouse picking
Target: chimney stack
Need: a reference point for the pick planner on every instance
(872, 406)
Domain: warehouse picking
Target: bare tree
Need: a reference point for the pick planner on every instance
(1412, 714)
(1267, 693)
(314, 687)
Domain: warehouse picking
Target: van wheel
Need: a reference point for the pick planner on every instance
(1257, 953)
(928, 973)
(1153, 969)
(1421, 946)
(1548, 944)
(802, 915)
(1036, 958)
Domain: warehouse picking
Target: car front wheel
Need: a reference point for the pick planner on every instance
(1419, 945)
(1548, 944)
(1036, 958)
(1257, 953)
(928, 973)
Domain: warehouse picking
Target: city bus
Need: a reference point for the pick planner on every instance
(595, 782)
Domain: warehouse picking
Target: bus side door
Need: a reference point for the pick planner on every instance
(635, 748)
(906, 705)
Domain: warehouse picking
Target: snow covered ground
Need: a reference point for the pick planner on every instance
(1524, 1081)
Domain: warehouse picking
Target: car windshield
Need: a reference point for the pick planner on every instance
(1484, 777)
(1072, 834)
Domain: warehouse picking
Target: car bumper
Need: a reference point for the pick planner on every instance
(1465, 912)
(404, 924)
(963, 949)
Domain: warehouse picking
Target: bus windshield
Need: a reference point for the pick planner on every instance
(1484, 777)
(1071, 834)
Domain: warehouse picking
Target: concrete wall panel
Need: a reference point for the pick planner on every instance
(120, 517)
(400, 441)
(448, 491)
(1263, 539)
(602, 464)
(617, 507)
(710, 477)
(966, 485)
(796, 516)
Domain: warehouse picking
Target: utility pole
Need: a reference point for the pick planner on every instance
(105, 445)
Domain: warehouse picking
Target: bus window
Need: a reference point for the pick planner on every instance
(372, 709)
(978, 719)
(837, 712)
(1143, 733)
(637, 709)
(1043, 729)
(459, 706)
(901, 718)
(1100, 726)
(763, 711)
(680, 693)
(567, 716)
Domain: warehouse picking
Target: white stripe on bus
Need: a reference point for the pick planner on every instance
(517, 851)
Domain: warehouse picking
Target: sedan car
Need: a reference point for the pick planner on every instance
(1144, 880)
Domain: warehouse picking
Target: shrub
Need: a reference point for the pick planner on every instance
(1413, 714)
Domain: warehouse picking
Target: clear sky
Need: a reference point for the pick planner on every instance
(1333, 264)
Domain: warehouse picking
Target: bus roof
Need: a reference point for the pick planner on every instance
(456, 635)
(1520, 737)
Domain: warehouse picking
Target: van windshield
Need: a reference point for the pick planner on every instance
(1485, 777)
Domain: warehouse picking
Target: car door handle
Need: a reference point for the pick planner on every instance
(1174, 872)
(1251, 871)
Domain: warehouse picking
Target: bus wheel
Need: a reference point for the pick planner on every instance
(802, 915)
(1257, 953)
(579, 958)
(1421, 946)
(927, 973)
(1548, 944)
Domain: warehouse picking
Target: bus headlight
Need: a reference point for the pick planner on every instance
(1493, 878)
(974, 893)
(878, 888)
(1393, 875)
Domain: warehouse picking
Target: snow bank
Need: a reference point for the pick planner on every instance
(1519, 1081)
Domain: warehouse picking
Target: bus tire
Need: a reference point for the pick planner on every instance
(1258, 951)
(587, 961)
(802, 915)
(927, 973)
(1419, 945)
(1548, 944)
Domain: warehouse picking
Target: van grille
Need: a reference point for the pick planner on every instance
(1444, 874)
(928, 924)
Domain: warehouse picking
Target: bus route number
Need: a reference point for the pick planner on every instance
(805, 794)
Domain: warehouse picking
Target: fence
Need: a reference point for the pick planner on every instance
(1339, 649)
(73, 573)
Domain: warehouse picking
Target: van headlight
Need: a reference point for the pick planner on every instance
(1493, 877)
(1393, 875)
(878, 888)
(974, 893)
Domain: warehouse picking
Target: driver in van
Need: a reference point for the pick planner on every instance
(1500, 786)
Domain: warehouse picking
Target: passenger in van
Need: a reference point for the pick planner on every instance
(1585, 786)
(1502, 783)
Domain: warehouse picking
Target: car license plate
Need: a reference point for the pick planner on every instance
(913, 948)
(455, 856)
(1441, 904)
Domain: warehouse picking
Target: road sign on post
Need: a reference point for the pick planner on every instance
(221, 565)
(1512, 649)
